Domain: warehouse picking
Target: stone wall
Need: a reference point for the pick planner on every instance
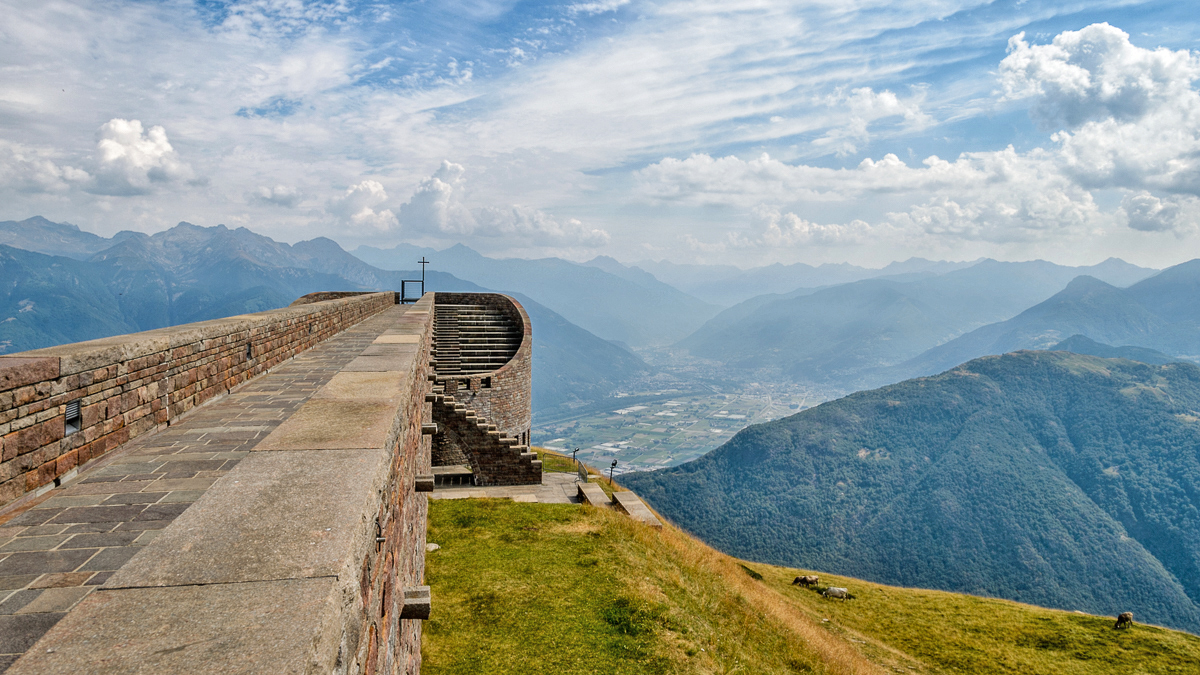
(130, 384)
(494, 457)
(296, 561)
(503, 396)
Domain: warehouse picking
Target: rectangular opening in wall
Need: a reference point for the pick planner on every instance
(74, 421)
(485, 383)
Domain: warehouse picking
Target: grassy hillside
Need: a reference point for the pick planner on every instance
(565, 589)
(1051, 478)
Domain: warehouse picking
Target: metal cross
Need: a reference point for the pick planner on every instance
(423, 262)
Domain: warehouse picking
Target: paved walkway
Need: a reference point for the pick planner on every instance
(57, 552)
(556, 488)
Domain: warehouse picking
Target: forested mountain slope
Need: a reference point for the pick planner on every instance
(1047, 477)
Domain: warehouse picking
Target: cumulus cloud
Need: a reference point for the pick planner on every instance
(860, 108)
(437, 207)
(789, 229)
(359, 207)
(1129, 116)
(30, 171)
(1131, 122)
(1149, 213)
(1096, 74)
(280, 195)
(131, 160)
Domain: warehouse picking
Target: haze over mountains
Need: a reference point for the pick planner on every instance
(851, 333)
(1045, 477)
(635, 309)
(135, 282)
(1154, 314)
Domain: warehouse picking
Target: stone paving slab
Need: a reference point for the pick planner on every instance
(84, 532)
(278, 515)
(323, 425)
(593, 494)
(556, 488)
(637, 510)
(223, 629)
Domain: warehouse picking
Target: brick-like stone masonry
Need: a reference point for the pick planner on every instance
(494, 457)
(507, 400)
(130, 384)
(55, 554)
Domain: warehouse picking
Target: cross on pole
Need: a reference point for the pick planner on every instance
(423, 262)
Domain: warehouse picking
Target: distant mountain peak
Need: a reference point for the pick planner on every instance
(1086, 283)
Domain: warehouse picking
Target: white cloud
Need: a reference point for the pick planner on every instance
(31, 171)
(1149, 213)
(1134, 123)
(131, 160)
(1097, 74)
(596, 7)
(280, 195)
(1131, 117)
(275, 18)
(437, 207)
(789, 229)
(860, 108)
(359, 207)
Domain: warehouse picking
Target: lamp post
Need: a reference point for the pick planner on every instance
(610, 471)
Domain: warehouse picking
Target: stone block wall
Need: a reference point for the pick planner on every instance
(388, 644)
(494, 457)
(130, 384)
(503, 396)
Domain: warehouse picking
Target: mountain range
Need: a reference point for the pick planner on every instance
(849, 334)
(1159, 313)
(135, 282)
(1051, 478)
(635, 309)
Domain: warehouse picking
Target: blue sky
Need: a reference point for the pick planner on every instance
(747, 132)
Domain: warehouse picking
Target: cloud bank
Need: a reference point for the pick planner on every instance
(1124, 118)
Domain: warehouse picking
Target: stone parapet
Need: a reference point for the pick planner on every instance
(126, 385)
(306, 557)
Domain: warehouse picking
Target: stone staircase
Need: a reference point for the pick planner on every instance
(471, 339)
(468, 449)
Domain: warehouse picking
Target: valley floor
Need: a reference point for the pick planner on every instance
(563, 588)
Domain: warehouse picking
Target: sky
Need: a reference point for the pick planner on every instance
(743, 132)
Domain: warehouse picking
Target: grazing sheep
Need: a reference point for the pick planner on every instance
(1124, 620)
(806, 580)
(835, 592)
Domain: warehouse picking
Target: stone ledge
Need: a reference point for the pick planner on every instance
(277, 515)
(632, 505)
(264, 627)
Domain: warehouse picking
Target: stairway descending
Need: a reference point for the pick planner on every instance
(471, 339)
(465, 441)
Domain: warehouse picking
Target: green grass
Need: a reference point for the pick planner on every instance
(530, 589)
(554, 462)
(954, 633)
(563, 589)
